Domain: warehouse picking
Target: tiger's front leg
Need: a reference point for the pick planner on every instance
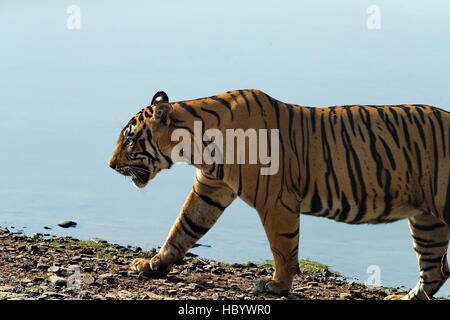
(204, 205)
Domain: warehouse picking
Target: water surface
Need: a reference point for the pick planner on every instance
(65, 94)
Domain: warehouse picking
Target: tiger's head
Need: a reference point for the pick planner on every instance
(143, 147)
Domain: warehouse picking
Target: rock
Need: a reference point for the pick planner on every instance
(4, 230)
(107, 277)
(58, 281)
(250, 265)
(53, 269)
(98, 240)
(345, 295)
(47, 228)
(312, 284)
(87, 279)
(66, 271)
(75, 259)
(67, 224)
(25, 281)
(110, 296)
(124, 295)
(123, 273)
(192, 286)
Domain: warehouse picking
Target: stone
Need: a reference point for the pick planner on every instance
(87, 279)
(67, 224)
(312, 284)
(87, 269)
(98, 240)
(107, 277)
(41, 265)
(345, 295)
(58, 281)
(53, 269)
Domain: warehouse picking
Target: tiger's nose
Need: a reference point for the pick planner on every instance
(112, 164)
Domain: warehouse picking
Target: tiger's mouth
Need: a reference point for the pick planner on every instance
(140, 175)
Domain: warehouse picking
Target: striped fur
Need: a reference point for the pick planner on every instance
(353, 164)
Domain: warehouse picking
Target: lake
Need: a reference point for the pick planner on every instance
(66, 93)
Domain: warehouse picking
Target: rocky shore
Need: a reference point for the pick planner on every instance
(60, 268)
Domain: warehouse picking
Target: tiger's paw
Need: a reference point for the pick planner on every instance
(266, 285)
(151, 268)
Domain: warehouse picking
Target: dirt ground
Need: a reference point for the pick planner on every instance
(59, 268)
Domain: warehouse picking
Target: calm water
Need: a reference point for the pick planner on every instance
(65, 94)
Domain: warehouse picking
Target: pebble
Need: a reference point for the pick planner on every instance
(107, 277)
(345, 295)
(58, 281)
(86, 269)
(67, 224)
(87, 279)
(98, 240)
(53, 269)
(312, 284)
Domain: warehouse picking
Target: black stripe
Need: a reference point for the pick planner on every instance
(187, 231)
(189, 109)
(438, 117)
(436, 158)
(418, 239)
(256, 190)
(431, 260)
(291, 234)
(433, 245)
(224, 103)
(406, 133)
(209, 201)
(430, 227)
(215, 114)
(247, 103)
(388, 152)
(447, 204)
(195, 227)
(428, 268)
(421, 132)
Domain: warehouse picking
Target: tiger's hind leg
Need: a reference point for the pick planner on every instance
(430, 237)
(282, 230)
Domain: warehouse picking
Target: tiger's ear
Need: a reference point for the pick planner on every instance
(161, 113)
(160, 96)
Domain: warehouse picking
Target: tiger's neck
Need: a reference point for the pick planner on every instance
(247, 110)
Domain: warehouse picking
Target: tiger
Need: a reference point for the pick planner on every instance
(357, 164)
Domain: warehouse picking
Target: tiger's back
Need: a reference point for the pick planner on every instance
(372, 164)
